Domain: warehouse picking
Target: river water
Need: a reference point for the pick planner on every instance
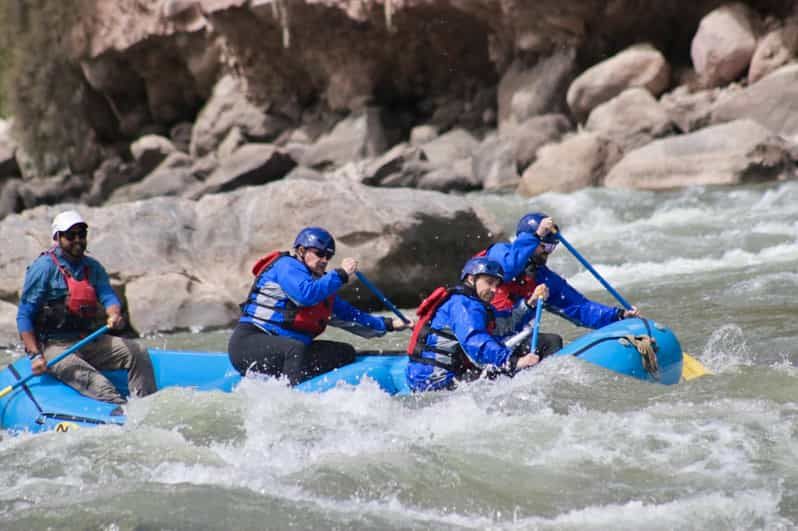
(563, 446)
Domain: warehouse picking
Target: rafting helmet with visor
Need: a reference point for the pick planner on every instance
(316, 238)
(482, 266)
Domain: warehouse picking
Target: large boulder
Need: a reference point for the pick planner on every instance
(641, 65)
(577, 162)
(250, 165)
(227, 108)
(770, 102)
(530, 135)
(171, 177)
(631, 119)
(733, 153)
(774, 50)
(356, 137)
(724, 44)
(689, 110)
(493, 164)
(450, 147)
(524, 92)
(195, 253)
(150, 150)
(8, 324)
(191, 304)
(8, 148)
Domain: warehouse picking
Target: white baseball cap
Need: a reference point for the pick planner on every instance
(65, 220)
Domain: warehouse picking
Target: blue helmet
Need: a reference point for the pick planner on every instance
(482, 265)
(530, 222)
(317, 238)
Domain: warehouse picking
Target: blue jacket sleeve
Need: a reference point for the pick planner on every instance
(34, 290)
(349, 318)
(301, 286)
(565, 301)
(470, 322)
(514, 256)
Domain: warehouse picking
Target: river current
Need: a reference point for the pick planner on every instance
(563, 446)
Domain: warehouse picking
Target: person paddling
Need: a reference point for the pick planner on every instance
(454, 339)
(524, 263)
(291, 302)
(59, 304)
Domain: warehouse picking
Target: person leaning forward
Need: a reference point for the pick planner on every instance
(60, 298)
(291, 302)
(454, 338)
(524, 263)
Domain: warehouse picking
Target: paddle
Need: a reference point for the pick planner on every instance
(691, 367)
(538, 312)
(388, 304)
(77, 346)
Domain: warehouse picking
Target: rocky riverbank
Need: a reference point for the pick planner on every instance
(222, 126)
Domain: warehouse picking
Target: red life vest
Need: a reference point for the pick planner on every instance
(426, 311)
(455, 360)
(511, 291)
(81, 300)
(311, 320)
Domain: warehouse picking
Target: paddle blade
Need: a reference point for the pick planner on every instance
(692, 368)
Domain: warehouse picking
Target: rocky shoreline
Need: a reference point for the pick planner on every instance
(222, 126)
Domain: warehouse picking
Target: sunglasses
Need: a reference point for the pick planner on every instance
(548, 248)
(320, 253)
(73, 234)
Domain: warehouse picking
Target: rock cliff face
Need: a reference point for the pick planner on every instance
(152, 104)
(141, 67)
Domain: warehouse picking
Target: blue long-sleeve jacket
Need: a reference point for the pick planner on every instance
(467, 319)
(45, 283)
(289, 282)
(564, 299)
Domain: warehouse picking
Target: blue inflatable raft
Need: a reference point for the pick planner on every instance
(44, 403)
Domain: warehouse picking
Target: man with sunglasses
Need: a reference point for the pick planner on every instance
(291, 302)
(524, 263)
(59, 305)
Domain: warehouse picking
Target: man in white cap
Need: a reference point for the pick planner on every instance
(59, 304)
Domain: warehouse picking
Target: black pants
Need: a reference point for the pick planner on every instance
(252, 349)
